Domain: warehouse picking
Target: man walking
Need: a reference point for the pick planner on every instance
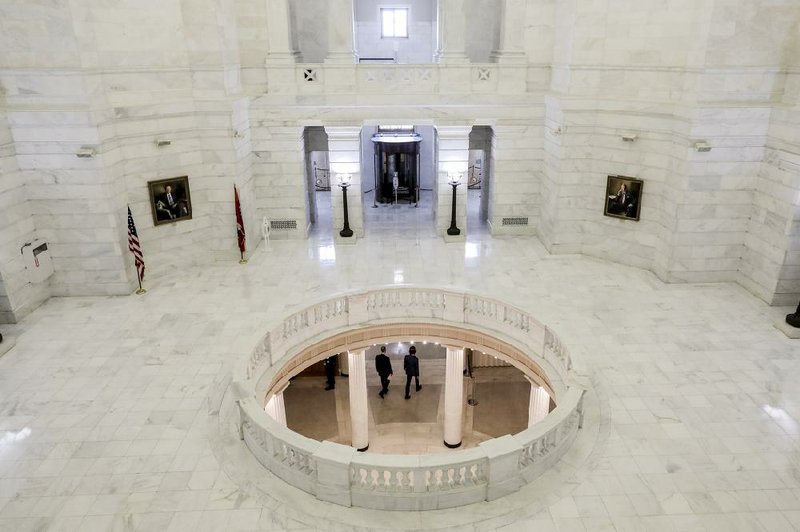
(384, 368)
(330, 373)
(411, 365)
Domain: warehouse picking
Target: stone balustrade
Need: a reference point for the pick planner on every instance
(337, 473)
(487, 78)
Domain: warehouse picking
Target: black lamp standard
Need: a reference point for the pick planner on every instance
(344, 182)
(454, 178)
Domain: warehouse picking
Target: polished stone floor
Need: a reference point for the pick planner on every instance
(691, 425)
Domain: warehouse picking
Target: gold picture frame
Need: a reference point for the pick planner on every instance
(170, 200)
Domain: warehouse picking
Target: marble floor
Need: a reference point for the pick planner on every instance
(692, 417)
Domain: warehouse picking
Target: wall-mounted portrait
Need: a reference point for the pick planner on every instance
(623, 197)
(170, 200)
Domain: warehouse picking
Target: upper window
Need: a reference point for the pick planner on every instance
(394, 22)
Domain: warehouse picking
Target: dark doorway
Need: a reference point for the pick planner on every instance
(396, 165)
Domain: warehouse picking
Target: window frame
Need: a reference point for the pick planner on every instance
(394, 9)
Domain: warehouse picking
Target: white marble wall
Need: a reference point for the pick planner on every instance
(279, 176)
(17, 295)
(515, 181)
(643, 71)
(119, 76)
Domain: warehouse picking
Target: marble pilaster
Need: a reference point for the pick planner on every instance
(282, 54)
(452, 32)
(510, 55)
(512, 30)
(340, 32)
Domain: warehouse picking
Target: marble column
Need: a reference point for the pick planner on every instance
(357, 382)
(276, 408)
(344, 364)
(453, 397)
(512, 33)
(280, 42)
(539, 405)
(452, 32)
(453, 156)
(340, 32)
(344, 154)
(282, 53)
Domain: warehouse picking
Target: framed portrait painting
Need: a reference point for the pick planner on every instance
(623, 197)
(170, 200)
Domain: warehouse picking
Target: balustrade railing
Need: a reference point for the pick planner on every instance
(381, 481)
(314, 78)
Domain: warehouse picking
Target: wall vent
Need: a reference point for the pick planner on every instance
(516, 221)
(283, 224)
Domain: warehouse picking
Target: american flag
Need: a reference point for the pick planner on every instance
(133, 245)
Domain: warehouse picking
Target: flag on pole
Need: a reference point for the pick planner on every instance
(239, 223)
(133, 245)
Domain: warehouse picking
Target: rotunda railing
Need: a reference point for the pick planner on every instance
(337, 473)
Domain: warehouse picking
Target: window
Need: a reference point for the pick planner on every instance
(394, 22)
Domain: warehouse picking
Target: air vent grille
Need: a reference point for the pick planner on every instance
(516, 221)
(283, 224)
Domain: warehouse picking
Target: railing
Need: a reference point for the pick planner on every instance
(336, 473)
(365, 78)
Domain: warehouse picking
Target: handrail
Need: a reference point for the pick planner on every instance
(336, 473)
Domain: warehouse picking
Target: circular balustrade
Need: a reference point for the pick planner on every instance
(337, 473)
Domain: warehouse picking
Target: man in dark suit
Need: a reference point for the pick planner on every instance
(411, 365)
(330, 372)
(384, 368)
(175, 205)
(618, 203)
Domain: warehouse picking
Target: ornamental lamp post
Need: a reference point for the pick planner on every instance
(343, 180)
(454, 179)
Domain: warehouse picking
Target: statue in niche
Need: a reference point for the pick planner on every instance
(794, 318)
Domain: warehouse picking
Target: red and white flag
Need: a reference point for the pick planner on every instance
(239, 223)
(133, 245)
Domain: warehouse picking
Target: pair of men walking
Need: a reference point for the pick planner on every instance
(384, 368)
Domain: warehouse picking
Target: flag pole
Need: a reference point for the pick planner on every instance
(141, 290)
(134, 247)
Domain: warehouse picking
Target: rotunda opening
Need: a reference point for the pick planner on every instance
(498, 398)
(457, 338)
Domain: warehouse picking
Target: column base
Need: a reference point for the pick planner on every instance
(452, 446)
(363, 449)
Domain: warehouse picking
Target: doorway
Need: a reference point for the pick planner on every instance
(318, 181)
(398, 169)
(478, 178)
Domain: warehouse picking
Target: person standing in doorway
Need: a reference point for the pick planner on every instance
(384, 368)
(330, 372)
(411, 365)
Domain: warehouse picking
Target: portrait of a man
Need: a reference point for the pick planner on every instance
(170, 200)
(623, 197)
